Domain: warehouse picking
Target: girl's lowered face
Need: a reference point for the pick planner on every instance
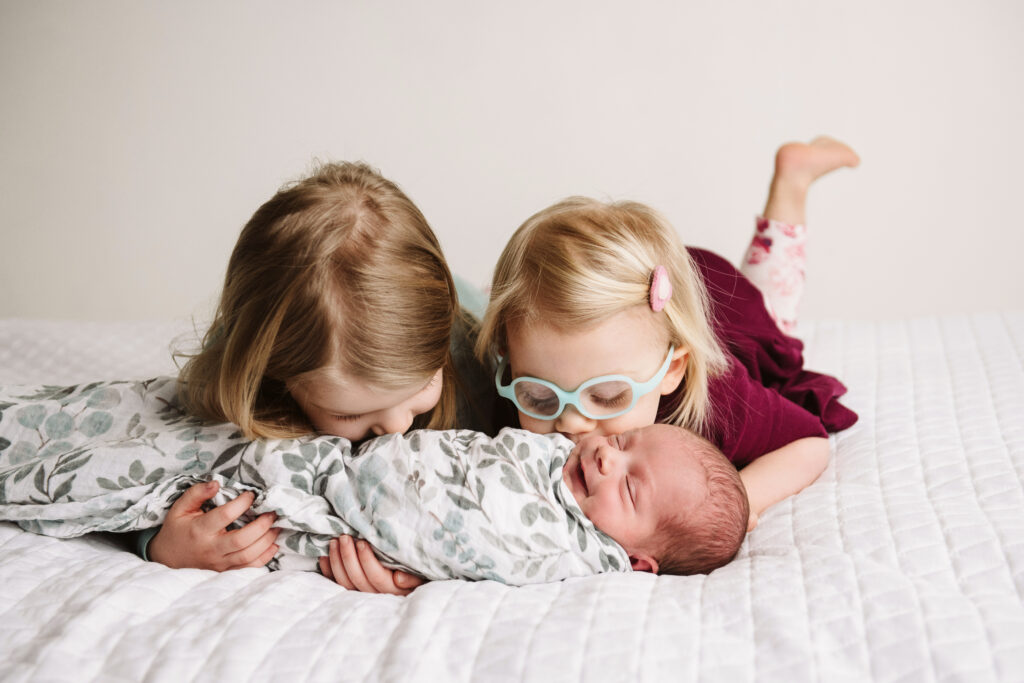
(354, 410)
(629, 343)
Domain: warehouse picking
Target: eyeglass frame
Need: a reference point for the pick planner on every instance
(572, 398)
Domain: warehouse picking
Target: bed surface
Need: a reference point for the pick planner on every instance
(905, 561)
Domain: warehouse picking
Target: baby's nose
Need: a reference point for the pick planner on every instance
(605, 459)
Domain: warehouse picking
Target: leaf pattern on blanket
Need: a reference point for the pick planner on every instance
(113, 456)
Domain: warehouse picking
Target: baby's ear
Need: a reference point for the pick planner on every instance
(643, 563)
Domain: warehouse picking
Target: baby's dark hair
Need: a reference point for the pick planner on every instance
(705, 536)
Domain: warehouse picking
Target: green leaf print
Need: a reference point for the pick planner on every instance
(31, 416)
(132, 424)
(543, 540)
(510, 478)
(187, 452)
(23, 472)
(226, 456)
(300, 482)
(59, 425)
(529, 513)
(4, 444)
(104, 399)
(534, 482)
(22, 452)
(523, 452)
(96, 423)
(137, 470)
(294, 462)
(610, 561)
(386, 534)
(462, 501)
(155, 476)
(64, 489)
(107, 484)
(548, 515)
(72, 462)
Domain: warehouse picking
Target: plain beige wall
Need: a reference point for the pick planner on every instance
(138, 137)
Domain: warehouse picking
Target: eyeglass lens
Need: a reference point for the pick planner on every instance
(603, 398)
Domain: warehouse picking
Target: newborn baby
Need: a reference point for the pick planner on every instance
(671, 499)
(518, 508)
(524, 507)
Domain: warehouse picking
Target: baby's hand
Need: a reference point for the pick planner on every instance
(353, 565)
(197, 539)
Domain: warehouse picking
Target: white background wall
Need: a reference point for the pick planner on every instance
(138, 137)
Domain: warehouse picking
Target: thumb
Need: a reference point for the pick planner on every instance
(192, 500)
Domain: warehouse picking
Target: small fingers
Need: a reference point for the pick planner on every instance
(337, 566)
(191, 502)
(407, 581)
(325, 566)
(223, 515)
(252, 552)
(377, 575)
(353, 565)
(236, 539)
(261, 561)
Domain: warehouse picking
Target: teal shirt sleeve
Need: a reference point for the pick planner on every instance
(142, 539)
(471, 297)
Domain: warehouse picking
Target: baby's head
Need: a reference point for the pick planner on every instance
(670, 498)
(336, 315)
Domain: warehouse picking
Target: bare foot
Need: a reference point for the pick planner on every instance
(802, 163)
(797, 166)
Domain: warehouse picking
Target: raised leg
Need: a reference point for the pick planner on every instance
(775, 258)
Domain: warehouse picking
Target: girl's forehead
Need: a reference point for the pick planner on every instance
(628, 343)
(331, 388)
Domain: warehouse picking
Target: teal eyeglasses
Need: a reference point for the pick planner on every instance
(600, 398)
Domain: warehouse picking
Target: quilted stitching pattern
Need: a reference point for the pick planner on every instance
(905, 561)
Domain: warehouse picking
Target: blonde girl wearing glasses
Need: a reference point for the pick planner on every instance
(605, 322)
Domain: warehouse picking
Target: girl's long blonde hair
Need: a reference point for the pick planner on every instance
(339, 269)
(581, 261)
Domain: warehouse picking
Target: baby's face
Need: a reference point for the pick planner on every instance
(354, 410)
(626, 484)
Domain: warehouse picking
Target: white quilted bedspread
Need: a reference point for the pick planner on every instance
(904, 562)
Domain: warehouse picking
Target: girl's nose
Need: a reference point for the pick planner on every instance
(393, 422)
(572, 422)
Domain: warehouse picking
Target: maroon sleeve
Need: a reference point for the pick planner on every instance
(748, 419)
(766, 398)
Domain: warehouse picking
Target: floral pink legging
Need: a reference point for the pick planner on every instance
(775, 263)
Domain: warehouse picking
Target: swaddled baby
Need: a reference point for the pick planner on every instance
(517, 508)
(522, 507)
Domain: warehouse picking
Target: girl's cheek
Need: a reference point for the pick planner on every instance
(532, 424)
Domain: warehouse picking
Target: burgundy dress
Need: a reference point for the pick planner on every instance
(765, 399)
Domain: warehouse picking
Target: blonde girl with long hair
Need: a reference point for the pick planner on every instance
(604, 323)
(336, 316)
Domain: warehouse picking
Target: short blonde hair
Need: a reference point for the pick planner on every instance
(582, 261)
(339, 269)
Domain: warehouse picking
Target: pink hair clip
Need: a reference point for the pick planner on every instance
(661, 289)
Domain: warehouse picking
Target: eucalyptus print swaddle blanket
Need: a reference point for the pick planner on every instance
(113, 456)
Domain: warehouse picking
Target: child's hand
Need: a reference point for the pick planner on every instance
(197, 539)
(353, 565)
